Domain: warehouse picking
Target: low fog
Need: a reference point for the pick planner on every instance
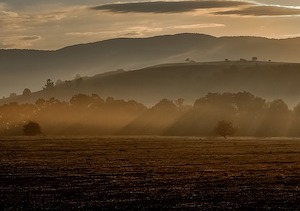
(188, 80)
(92, 115)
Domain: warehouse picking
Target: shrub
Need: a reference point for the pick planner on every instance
(32, 129)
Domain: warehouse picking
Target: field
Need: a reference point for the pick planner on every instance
(142, 173)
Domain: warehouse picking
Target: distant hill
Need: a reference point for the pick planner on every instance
(30, 68)
(190, 81)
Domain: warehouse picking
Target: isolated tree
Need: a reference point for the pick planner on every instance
(254, 59)
(32, 129)
(225, 128)
(49, 84)
(26, 91)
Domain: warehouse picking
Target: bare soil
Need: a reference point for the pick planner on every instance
(149, 173)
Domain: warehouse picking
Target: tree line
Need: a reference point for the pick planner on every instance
(240, 114)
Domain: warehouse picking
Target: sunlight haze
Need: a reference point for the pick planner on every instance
(55, 24)
(149, 104)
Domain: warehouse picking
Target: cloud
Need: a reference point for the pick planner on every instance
(83, 33)
(19, 41)
(11, 21)
(4, 46)
(30, 38)
(168, 6)
(136, 31)
(291, 36)
(9, 14)
(199, 26)
(262, 11)
(3, 6)
(242, 8)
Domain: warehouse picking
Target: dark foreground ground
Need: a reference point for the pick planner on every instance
(145, 173)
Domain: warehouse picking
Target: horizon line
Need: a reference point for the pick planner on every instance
(156, 36)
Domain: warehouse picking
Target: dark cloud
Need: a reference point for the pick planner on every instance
(261, 11)
(130, 34)
(168, 7)
(31, 38)
(21, 4)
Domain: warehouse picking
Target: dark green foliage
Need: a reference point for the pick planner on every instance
(32, 129)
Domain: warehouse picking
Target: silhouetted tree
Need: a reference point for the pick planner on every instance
(32, 129)
(26, 91)
(97, 99)
(49, 84)
(278, 107)
(165, 105)
(247, 102)
(276, 120)
(254, 59)
(225, 128)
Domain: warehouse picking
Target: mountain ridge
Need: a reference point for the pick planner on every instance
(31, 68)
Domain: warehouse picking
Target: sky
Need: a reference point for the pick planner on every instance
(53, 24)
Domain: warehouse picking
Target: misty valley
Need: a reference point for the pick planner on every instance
(92, 115)
(183, 99)
(185, 121)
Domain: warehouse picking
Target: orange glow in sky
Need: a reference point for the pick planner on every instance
(56, 24)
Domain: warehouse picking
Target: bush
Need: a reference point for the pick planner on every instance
(32, 129)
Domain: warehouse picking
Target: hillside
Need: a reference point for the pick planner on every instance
(190, 81)
(30, 68)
